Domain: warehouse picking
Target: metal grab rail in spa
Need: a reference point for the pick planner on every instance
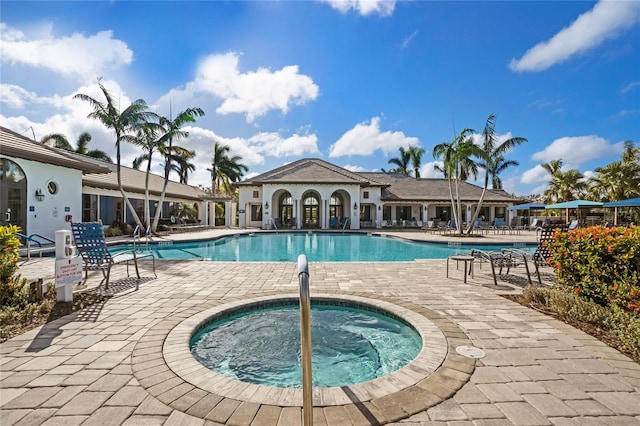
(305, 340)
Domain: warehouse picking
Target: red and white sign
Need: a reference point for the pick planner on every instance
(68, 271)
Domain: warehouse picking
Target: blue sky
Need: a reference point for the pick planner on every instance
(346, 81)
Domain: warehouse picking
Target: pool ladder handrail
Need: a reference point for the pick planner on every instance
(136, 235)
(273, 222)
(305, 341)
(347, 221)
(30, 239)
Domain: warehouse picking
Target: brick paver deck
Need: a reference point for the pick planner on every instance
(106, 365)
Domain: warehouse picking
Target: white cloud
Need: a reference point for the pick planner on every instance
(606, 20)
(365, 138)
(274, 145)
(253, 93)
(364, 7)
(15, 96)
(353, 168)
(77, 55)
(428, 170)
(407, 41)
(536, 175)
(477, 138)
(629, 87)
(253, 150)
(576, 150)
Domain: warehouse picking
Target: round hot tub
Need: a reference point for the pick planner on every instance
(351, 343)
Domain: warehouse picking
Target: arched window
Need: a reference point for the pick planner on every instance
(310, 211)
(311, 201)
(286, 210)
(13, 194)
(336, 210)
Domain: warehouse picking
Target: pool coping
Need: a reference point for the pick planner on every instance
(162, 363)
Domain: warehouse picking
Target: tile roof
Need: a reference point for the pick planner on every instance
(133, 181)
(395, 187)
(96, 173)
(15, 145)
(309, 170)
(401, 187)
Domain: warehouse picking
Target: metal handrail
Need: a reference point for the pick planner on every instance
(29, 239)
(136, 235)
(305, 341)
(346, 221)
(273, 222)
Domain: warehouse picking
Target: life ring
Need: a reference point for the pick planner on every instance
(173, 219)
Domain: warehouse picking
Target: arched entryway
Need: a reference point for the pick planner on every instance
(337, 205)
(285, 209)
(13, 195)
(311, 210)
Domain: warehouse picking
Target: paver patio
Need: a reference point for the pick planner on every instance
(103, 367)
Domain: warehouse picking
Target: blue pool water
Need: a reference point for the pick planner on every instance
(318, 247)
(349, 345)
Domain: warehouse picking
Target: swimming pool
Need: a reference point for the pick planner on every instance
(349, 344)
(318, 247)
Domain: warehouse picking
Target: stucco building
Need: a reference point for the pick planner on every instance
(313, 193)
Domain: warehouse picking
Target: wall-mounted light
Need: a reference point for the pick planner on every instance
(39, 195)
(379, 208)
(425, 208)
(266, 205)
(355, 206)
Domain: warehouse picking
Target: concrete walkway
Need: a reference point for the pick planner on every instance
(109, 364)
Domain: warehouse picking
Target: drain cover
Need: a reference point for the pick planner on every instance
(470, 352)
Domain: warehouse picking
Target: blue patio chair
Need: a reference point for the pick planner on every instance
(92, 246)
(573, 225)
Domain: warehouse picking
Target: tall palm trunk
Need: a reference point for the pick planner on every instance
(167, 170)
(121, 188)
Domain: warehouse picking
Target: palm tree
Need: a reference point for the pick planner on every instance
(552, 167)
(458, 165)
(181, 164)
(610, 183)
(492, 159)
(146, 138)
(498, 167)
(60, 141)
(225, 169)
(416, 153)
(402, 162)
(618, 180)
(564, 186)
(109, 114)
(172, 130)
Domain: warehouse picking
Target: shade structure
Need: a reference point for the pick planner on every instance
(631, 202)
(575, 204)
(527, 206)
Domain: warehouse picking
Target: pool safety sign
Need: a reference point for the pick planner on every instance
(68, 271)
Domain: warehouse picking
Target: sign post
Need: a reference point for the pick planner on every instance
(68, 266)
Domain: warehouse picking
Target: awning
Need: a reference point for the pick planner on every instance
(631, 202)
(575, 204)
(527, 206)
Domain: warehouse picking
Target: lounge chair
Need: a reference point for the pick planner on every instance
(493, 258)
(506, 258)
(92, 246)
(573, 225)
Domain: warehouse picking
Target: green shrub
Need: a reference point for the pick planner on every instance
(112, 231)
(9, 255)
(601, 264)
(13, 289)
(623, 324)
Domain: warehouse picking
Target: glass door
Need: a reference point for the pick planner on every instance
(13, 195)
